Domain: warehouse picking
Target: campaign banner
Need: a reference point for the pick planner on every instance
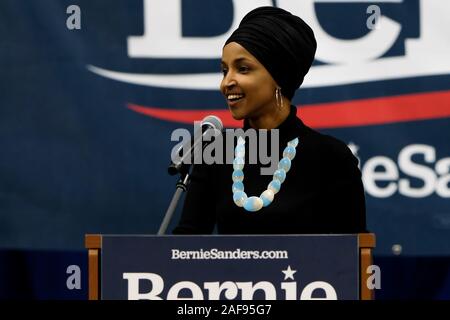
(91, 91)
(315, 267)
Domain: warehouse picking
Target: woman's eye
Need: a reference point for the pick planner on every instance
(243, 69)
(224, 71)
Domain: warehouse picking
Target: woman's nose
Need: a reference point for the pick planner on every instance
(229, 80)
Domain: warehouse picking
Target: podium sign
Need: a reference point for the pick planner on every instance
(282, 267)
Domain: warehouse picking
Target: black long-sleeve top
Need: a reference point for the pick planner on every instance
(322, 192)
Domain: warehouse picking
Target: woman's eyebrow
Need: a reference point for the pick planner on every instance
(240, 59)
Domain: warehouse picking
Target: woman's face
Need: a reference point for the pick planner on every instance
(248, 87)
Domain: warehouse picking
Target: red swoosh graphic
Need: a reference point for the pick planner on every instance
(362, 112)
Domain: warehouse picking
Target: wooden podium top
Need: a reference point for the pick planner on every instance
(365, 240)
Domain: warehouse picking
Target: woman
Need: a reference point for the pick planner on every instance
(318, 187)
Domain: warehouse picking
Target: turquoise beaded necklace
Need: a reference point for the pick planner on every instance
(256, 203)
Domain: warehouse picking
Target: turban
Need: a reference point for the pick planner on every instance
(282, 42)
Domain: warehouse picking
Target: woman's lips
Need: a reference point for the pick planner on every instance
(234, 102)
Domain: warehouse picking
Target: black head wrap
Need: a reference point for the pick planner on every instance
(282, 42)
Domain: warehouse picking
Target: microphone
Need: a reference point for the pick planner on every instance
(178, 163)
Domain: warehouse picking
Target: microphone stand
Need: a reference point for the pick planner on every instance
(184, 170)
(181, 186)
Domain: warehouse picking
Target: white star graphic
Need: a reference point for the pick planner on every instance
(289, 273)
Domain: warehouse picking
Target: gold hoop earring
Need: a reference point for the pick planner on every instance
(279, 98)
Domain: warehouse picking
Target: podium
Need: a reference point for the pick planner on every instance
(230, 267)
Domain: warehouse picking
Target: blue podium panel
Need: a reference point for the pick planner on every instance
(287, 267)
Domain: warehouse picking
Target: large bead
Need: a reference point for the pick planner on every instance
(238, 175)
(289, 152)
(274, 186)
(237, 186)
(239, 151)
(293, 143)
(280, 175)
(267, 197)
(253, 204)
(239, 198)
(284, 164)
(238, 163)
